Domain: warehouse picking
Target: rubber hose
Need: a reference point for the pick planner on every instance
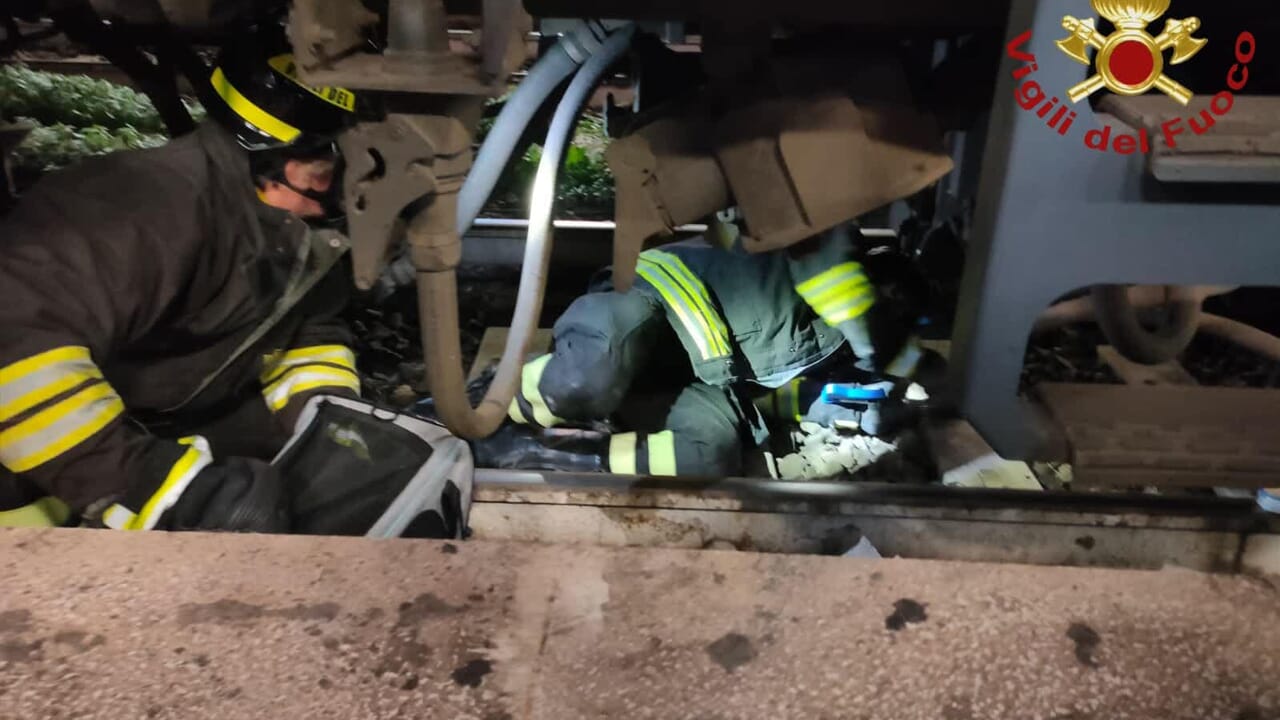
(437, 291)
(1118, 318)
(544, 77)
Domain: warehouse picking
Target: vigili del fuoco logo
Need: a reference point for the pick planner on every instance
(1129, 61)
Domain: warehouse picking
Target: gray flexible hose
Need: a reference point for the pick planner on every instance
(537, 248)
(575, 48)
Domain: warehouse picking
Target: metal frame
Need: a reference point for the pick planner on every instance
(1053, 216)
(930, 521)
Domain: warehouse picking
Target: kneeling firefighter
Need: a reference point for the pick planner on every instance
(689, 357)
(169, 313)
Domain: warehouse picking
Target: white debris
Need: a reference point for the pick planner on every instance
(916, 393)
(792, 467)
(824, 452)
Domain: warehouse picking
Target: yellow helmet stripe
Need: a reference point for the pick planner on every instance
(336, 96)
(245, 108)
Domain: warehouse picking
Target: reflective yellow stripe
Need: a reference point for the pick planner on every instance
(697, 331)
(530, 377)
(816, 282)
(275, 365)
(18, 370)
(839, 294)
(622, 454)
(245, 108)
(45, 512)
(303, 378)
(340, 97)
(852, 312)
(197, 457)
(697, 292)
(662, 453)
(688, 297)
(58, 428)
(28, 383)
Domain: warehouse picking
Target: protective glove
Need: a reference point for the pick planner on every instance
(851, 416)
(237, 494)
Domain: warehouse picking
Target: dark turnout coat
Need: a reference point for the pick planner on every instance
(144, 292)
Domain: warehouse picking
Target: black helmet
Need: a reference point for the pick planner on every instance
(256, 94)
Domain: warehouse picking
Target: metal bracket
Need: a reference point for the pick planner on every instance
(389, 165)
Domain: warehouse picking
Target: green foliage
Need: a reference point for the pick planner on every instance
(74, 100)
(584, 185)
(77, 117)
(49, 147)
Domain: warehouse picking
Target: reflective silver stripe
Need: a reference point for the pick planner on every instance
(59, 427)
(27, 383)
(197, 457)
(672, 299)
(275, 366)
(838, 294)
(304, 378)
(694, 291)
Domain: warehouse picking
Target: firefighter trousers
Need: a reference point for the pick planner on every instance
(616, 357)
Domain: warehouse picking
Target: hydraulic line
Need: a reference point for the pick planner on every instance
(437, 290)
(574, 49)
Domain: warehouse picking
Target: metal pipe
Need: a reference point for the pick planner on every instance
(1246, 336)
(417, 26)
(546, 75)
(438, 292)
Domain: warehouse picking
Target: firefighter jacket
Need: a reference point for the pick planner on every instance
(762, 318)
(151, 288)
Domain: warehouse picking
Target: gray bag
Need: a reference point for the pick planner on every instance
(354, 469)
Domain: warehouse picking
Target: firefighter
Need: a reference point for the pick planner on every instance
(688, 358)
(168, 312)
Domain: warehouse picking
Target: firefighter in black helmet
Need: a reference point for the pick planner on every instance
(168, 312)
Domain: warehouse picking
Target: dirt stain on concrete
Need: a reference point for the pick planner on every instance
(1086, 641)
(1086, 541)
(472, 674)
(80, 640)
(15, 622)
(732, 651)
(905, 611)
(228, 612)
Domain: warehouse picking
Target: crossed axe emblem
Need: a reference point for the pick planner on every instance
(1130, 61)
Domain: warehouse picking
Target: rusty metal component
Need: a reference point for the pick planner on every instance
(666, 176)
(329, 40)
(92, 621)
(388, 165)
(1124, 436)
(1175, 323)
(794, 166)
(797, 168)
(1142, 296)
(1147, 296)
